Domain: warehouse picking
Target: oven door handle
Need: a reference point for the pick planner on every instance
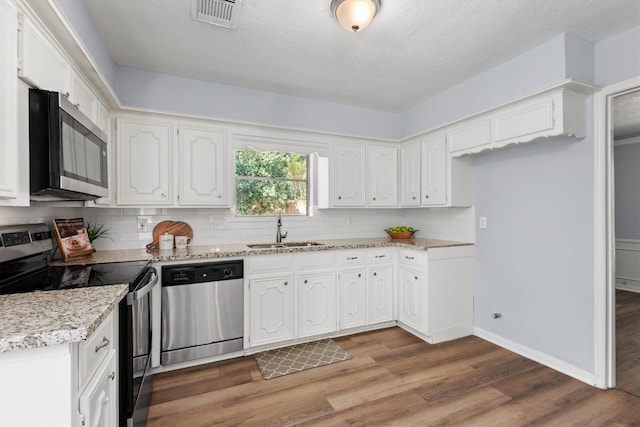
(152, 277)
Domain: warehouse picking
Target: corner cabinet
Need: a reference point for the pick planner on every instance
(149, 173)
(429, 176)
(363, 175)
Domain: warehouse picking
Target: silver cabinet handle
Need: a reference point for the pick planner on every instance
(112, 376)
(352, 258)
(409, 257)
(105, 342)
(380, 256)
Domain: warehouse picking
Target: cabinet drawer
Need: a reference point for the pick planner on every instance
(315, 260)
(271, 263)
(350, 258)
(379, 255)
(94, 349)
(413, 258)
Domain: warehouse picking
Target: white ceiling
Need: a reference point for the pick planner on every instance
(412, 50)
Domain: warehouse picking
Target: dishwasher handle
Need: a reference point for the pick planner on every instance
(150, 280)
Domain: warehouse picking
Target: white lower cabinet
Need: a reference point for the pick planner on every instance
(352, 298)
(73, 384)
(99, 399)
(436, 293)
(379, 294)
(316, 304)
(271, 310)
(410, 304)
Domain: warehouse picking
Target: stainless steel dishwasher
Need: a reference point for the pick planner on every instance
(202, 310)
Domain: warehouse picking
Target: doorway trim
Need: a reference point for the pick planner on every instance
(604, 234)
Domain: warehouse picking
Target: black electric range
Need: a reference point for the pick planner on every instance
(25, 252)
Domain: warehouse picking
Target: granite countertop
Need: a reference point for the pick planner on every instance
(40, 319)
(242, 250)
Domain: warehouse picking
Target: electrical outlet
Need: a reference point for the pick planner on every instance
(218, 224)
(483, 222)
(143, 227)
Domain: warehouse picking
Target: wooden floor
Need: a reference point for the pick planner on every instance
(393, 379)
(628, 341)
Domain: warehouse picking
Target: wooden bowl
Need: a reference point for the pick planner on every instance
(404, 235)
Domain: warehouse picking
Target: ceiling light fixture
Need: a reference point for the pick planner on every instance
(354, 15)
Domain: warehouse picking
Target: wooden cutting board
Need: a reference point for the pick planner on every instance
(176, 228)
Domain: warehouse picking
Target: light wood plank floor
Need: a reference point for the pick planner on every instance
(393, 379)
(628, 341)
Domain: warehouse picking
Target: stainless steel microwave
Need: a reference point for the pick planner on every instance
(67, 151)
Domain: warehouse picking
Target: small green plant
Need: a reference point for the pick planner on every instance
(95, 232)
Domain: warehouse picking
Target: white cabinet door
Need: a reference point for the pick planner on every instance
(410, 297)
(352, 298)
(526, 120)
(98, 402)
(144, 162)
(382, 176)
(41, 64)
(379, 294)
(434, 171)
(470, 136)
(8, 100)
(202, 166)
(410, 194)
(271, 310)
(316, 304)
(83, 98)
(348, 174)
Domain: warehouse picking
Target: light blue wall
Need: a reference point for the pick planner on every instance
(627, 191)
(534, 70)
(76, 14)
(534, 261)
(618, 57)
(144, 89)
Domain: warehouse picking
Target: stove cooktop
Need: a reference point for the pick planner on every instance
(76, 276)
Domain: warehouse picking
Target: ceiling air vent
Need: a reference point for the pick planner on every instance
(224, 13)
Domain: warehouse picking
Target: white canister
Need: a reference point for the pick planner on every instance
(166, 241)
(181, 242)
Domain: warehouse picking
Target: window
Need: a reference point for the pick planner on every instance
(267, 181)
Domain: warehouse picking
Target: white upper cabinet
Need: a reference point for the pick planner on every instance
(144, 167)
(41, 64)
(348, 174)
(202, 171)
(557, 112)
(363, 175)
(83, 98)
(469, 136)
(382, 175)
(8, 101)
(410, 194)
(434, 171)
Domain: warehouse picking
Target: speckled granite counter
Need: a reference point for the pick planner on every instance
(39, 319)
(241, 250)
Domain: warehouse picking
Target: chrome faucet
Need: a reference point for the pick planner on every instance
(279, 235)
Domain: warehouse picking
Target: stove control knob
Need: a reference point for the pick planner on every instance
(228, 272)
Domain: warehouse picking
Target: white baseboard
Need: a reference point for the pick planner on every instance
(538, 356)
(626, 284)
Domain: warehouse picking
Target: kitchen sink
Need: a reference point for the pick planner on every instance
(283, 245)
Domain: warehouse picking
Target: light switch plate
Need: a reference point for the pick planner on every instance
(483, 222)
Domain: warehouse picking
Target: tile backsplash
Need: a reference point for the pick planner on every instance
(218, 226)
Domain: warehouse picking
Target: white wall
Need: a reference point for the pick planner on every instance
(627, 191)
(617, 58)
